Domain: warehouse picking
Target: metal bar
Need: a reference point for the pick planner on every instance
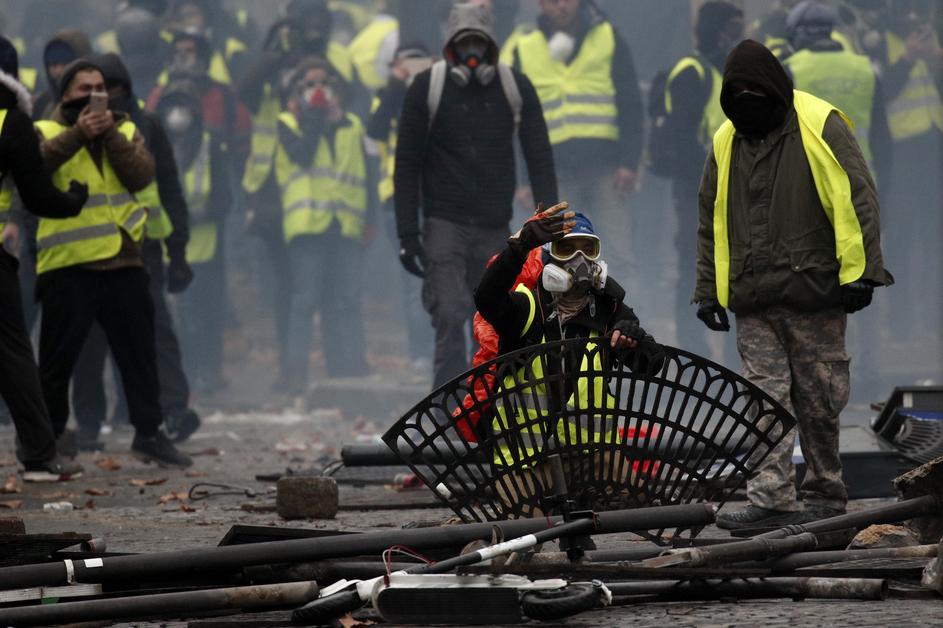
(151, 567)
(892, 513)
(808, 559)
(712, 589)
(163, 605)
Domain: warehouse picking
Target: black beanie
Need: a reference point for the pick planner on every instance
(711, 19)
(74, 68)
(9, 60)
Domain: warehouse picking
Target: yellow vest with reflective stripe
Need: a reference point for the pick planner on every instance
(6, 187)
(522, 404)
(365, 48)
(158, 225)
(333, 187)
(713, 113)
(196, 189)
(95, 234)
(578, 99)
(842, 78)
(831, 184)
(265, 124)
(387, 158)
(917, 108)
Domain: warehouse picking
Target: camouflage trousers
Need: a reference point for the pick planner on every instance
(799, 359)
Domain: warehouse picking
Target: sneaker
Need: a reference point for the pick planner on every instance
(814, 513)
(757, 517)
(159, 449)
(55, 470)
(181, 424)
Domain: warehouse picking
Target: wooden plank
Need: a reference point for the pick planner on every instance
(47, 593)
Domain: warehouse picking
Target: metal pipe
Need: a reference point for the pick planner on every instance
(892, 513)
(807, 559)
(163, 605)
(750, 549)
(712, 589)
(151, 567)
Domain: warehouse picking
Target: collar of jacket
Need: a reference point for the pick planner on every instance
(586, 318)
(790, 125)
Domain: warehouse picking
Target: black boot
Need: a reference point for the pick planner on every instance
(757, 517)
(159, 449)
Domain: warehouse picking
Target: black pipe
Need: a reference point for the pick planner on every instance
(808, 559)
(892, 513)
(715, 588)
(162, 605)
(182, 563)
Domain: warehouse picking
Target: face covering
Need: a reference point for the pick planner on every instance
(72, 108)
(574, 277)
(755, 115)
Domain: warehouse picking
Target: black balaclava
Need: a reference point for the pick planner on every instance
(763, 107)
(712, 19)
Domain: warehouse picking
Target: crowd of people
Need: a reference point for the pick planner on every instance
(146, 141)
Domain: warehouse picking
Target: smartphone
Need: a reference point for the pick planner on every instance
(98, 102)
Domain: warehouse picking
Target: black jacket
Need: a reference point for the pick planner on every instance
(627, 150)
(464, 165)
(20, 158)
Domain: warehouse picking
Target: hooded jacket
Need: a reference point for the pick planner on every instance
(155, 140)
(464, 162)
(77, 42)
(782, 246)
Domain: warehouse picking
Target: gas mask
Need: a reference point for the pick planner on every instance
(578, 275)
(178, 120)
(561, 46)
(469, 52)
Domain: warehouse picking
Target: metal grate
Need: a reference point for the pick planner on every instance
(692, 431)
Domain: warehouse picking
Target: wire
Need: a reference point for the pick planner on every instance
(387, 557)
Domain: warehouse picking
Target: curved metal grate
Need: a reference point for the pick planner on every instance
(692, 431)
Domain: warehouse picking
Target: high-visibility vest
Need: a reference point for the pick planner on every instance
(917, 108)
(579, 99)
(842, 78)
(364, 49)
(334, 186)
(831, 184)
(386, 155)
(265, 124)
(510, 46)
(218, 69)
(28, 77)
(95, 234)
(522, 406)
(158, 225)
(713, 113)
(197, 185)
(6, 185)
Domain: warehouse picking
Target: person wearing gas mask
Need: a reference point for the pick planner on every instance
(409, 60)
(692, 116)
(91, 267)
(321, 171)
(305, 30)
(788, 240)
(585, 76)
(200, 154)
(167, 228)
(460, 154)
(575, 298)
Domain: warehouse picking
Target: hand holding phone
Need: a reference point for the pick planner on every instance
(98, 102)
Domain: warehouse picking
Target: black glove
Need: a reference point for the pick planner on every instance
(541, 228)
(179, 275)
(628, 329)
(648, 358)
(79, 194)
(713, 315)
(411, 255)
(856, 296)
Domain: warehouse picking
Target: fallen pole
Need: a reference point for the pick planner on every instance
(808, 559)
(796, 588)
(163, 605)
(184, 563)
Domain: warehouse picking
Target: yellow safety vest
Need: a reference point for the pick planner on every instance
(28, 77)
(158, 225)
(6, 187)
(917, 108)
(842, 78)
(521, 406)
(507, 50)
(265, 124)
(365, 48)
(333, 187)
(831, 183)
(95, 234)
(197, 185)
(578, 99)
(713, 113)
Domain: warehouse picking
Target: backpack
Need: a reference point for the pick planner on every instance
(508, 84)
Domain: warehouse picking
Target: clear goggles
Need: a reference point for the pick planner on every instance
(565, 249)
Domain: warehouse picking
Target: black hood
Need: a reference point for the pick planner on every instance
(751, 62)
(114, 70)
(69, 45)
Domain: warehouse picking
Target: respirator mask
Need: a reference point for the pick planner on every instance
(575, 266)
(178, 120)
(468, 59)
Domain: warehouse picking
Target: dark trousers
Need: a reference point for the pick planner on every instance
(326, 270)
(418, 331)
(202, 310)
(280, 295)
(73, 300)
(88, 389)
(456, 256)
(19, 379)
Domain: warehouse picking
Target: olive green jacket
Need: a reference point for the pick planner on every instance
(782, 246)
